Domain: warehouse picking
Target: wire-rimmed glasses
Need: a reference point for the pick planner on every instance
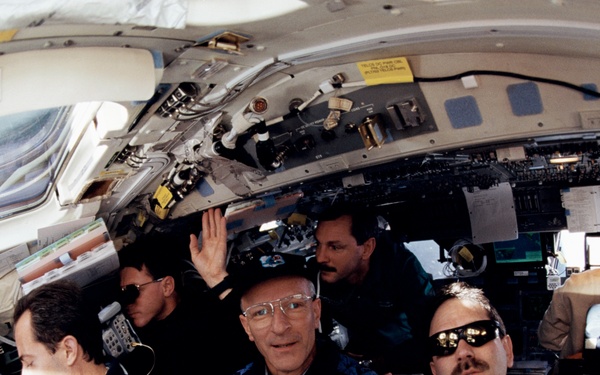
(294, 306)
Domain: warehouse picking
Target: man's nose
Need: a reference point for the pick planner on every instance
(464, 350)
(280, 322)
(320, 254)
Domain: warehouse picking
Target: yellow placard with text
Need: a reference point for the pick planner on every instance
(385, 71)
(163, 196)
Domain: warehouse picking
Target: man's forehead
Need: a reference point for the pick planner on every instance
(276, 288)
(24, 334)
(135, 275)
(344, 219)
(23, 325)
(456, 313)
(331, 229)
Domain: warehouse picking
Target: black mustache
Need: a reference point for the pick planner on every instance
(470, 363)
(323, 267)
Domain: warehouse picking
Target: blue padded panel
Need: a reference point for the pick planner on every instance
(268, 202)
(590, 86)
(234, 224)
(286, 210)
(525, 99)
(204, 188)
(463, 112)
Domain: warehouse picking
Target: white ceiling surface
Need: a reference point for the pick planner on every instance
(160, 13)
(334, 31)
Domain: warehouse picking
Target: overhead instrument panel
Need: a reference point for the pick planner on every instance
(367, 118)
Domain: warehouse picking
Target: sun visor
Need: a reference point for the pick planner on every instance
(62, 77)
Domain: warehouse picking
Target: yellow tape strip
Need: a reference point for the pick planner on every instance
(7, 35)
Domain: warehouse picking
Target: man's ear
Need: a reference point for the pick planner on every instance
(317, 311)
(432, 368)
(508, 347)
(244, 322)
(168, 285)
(71, 348)
(369, 247)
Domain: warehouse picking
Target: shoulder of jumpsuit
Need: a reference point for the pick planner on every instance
(399, 275)
(390, 250)
(399, 256)
(115, 367)
(177, 323)
(391, 257)
(330, 360)
(253, 368)
(583, 278)
(572, 284)
(195, 310)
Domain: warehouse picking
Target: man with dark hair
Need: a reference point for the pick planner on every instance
(467, 335)
(375, 288)
(186, 328)
(150, 279)
(58, 332)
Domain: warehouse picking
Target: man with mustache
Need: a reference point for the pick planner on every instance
(467, 335)
(375, 288)
(383, 298)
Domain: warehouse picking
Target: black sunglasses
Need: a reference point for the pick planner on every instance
(130, 292)
(475, 334)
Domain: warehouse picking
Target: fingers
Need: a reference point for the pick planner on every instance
(205, 225)
(193, 244)
(208, 224)
(213, 223)
(221, 223)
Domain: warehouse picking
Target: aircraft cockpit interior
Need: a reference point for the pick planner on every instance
(470, 127)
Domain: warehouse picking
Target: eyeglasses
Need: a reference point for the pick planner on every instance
(130, 292)
(294, 306)
(475, 334)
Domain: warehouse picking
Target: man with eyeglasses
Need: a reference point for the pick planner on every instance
(185, 326)
(280, 314)
(467, 335)
(383, 297)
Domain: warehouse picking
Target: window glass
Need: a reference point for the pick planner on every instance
(428, 253)
(32, 146)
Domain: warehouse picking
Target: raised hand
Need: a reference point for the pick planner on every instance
(211, 259)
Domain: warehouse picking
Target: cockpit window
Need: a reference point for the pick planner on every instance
(32, 147)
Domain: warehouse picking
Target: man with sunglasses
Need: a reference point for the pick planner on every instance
(467, 335)
(280, 314)
(185, 326)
